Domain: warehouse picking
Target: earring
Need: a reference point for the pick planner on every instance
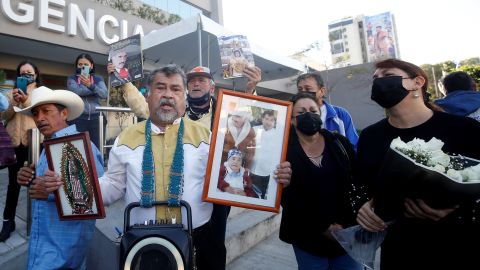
(416, 95)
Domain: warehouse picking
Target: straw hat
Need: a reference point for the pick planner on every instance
(45, 95)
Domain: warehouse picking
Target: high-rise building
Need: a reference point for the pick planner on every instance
(363, 39)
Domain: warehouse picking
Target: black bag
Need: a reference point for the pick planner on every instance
(156, 246)
(7, 151)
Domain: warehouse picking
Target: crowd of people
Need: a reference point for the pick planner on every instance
(326, 162)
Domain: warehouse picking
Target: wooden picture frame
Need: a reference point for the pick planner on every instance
(244, 154)
(77, 150)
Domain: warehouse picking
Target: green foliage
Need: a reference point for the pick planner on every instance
(448, 66)
(473, 71)
(471, 66)
(474, 61)
(144, 11)
(122, 5)
(174, 18)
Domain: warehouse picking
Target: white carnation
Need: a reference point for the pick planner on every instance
(439, 168)
(438, 157)
(433, 145)
(468, 175)
(416, 144)
(397, 143)
(471, 174)
(455, 175)
(476, 169)
(431, 154)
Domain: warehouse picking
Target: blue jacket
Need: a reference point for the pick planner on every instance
(90, 96)
(338, 119)
(460, 102)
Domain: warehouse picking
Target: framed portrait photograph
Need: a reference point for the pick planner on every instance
(249, 139)
(71, 157)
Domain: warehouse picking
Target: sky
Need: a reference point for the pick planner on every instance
(429, 32)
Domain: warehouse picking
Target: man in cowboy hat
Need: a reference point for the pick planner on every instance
(54, 244)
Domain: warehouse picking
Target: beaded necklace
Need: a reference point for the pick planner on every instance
(175, 187)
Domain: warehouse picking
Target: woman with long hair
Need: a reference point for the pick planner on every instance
(422, 237)
(17, 127)
(316, 201)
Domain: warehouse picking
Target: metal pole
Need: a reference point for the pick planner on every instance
(437, 94)
(101, 135)
(199, 31)
(33, 157)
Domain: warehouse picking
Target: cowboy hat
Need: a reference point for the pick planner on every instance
(45, 95)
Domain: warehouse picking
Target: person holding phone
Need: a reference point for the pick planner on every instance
(27, 80)
(91, 88)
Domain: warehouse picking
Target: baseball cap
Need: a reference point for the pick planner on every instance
(199, 71)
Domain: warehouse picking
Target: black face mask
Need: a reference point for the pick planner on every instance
(199, 101)
(30, 78)
(388, 91)
(309, 123)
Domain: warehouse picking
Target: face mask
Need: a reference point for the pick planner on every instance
(30, 78)
(388, 91)
(309, 123)
(198, 101)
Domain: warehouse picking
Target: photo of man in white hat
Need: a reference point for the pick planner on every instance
(54, 244)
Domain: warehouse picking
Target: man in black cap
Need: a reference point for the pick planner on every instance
(201, 108)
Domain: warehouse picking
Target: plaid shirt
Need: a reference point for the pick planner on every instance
(56, 244)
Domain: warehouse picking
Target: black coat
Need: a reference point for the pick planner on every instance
(310, 203)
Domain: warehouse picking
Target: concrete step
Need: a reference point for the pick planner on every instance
(246, 228)
(269, 254)
(235, 211)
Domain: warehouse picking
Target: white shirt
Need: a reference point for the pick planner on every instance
(124, 176)
(269, 145)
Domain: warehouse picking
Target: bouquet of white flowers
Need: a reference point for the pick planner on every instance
(419, 169)
(416, 169)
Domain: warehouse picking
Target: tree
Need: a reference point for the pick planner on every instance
(474, 61)
(122, 5)
(448, 66)
(434, 73)
(144, 11)
(473, 71)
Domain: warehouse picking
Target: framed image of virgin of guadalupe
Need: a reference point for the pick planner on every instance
(249, 139)
(71, 157)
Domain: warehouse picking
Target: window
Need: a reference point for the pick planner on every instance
(337, 48)
(335, 35)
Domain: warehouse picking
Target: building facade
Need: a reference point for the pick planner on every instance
(51, 33)
(363, 39)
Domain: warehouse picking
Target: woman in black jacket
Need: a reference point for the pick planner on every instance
(316, 201)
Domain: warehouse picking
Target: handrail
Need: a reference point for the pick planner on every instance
(112, 109)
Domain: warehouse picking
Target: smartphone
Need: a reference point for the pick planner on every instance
(85, 71)
(22, 84)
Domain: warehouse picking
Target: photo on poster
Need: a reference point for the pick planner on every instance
(381, 37)
(235, 54)
(249, 139)
(71, 157)
(126, 57)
